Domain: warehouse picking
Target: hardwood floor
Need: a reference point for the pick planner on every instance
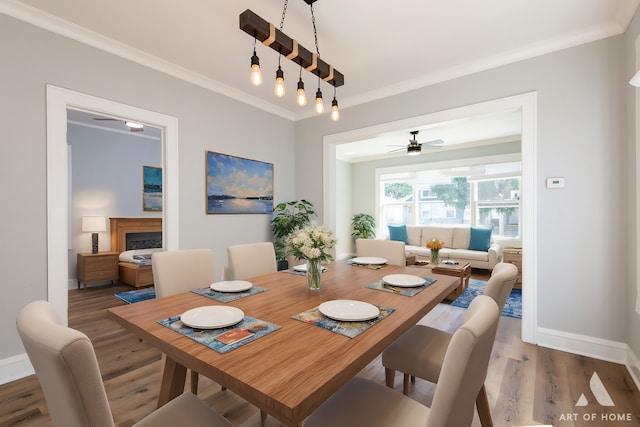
(526, 384)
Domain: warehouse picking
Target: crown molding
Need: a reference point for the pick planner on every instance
(80, 34)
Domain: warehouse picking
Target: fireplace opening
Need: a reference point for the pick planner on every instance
(146, 240)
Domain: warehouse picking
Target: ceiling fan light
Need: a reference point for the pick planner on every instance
(134, 125)
(414, 150)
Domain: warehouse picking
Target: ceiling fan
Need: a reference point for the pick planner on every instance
(133, 126)
(414, 147)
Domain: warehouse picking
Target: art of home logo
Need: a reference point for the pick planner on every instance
(603, 398)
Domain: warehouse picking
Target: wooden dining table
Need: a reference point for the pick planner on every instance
(289, 372)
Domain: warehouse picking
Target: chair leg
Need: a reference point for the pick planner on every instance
(194, 382)
(389, 376)
(263, 417)
(482, 405)
(413, 378)
(405, 385)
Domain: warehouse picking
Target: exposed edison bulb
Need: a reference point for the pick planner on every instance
(279, 89)
(319, 104)
(302, 97)
(256, 75)
(335, 112)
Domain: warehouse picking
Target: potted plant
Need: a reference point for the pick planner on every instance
(364, 226)
(287, 218)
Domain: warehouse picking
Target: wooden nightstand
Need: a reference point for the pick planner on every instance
(97, 267)
(514, 256)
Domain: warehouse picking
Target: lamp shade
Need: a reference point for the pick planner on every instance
(94, 224)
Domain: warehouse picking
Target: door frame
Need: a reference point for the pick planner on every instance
(58, 101)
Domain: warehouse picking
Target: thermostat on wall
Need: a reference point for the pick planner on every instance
(555, 182)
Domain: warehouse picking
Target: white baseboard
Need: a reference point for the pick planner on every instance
(598, 348)
(15, 367)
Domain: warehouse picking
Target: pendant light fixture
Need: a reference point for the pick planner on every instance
(301, 96)
(270, 36)
(256, 75)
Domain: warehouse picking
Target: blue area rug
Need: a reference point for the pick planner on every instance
(512, 308)
(137, 295)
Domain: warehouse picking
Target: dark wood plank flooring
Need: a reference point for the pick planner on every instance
(526, 384)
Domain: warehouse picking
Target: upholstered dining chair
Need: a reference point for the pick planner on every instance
(366, 403)
(391, 250)
(182, 271)
(250, 260)
(420, 351)
(67, 369)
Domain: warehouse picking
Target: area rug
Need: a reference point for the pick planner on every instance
(136, 295)
(512, 308)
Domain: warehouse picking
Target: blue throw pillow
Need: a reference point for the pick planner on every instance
(480, 239)
(398, 232)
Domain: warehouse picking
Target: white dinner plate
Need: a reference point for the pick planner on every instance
(303, 268)
(231, 286)
(369, 260)
(212, 317)
(349, 310)
(403, 280)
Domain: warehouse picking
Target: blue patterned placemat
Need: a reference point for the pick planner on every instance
(226, 297)
(257, 328)
(348, 329)
(379, 285)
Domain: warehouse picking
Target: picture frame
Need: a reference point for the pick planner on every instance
(151, 189)
(236, 185)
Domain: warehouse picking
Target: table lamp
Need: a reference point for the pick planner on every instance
(94, 224)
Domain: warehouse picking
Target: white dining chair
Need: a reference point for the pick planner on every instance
(420, 351)
(68, 372)
(365, 403)
(182, 271)
(250, 260)
(391, 250)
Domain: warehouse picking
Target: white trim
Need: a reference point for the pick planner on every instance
(633, 366)
(527, 104)
(15, 367)
(597, 348)
(58, 100)
(637, 171)
(73, 31)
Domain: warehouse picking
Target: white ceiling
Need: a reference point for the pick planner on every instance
(382, 48)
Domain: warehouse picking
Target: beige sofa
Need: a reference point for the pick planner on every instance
(456, 240)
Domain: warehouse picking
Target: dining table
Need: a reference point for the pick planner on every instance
(291, 371)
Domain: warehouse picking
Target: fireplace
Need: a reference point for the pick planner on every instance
(135, 233)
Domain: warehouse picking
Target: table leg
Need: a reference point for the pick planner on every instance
(173, 379)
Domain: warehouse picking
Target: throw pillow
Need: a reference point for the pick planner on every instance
(480, 239)
(398, 232)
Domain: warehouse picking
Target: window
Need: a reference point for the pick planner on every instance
(485, 196)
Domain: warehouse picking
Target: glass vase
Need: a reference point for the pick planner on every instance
(314, 271)
(435, 257)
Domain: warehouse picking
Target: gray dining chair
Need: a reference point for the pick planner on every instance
(420, 351)
(250, 260)
(175, 272)
(365, 403)
(68, 371)
(391, 250)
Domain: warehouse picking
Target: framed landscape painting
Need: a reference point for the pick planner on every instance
(151, 189)
(238, 185)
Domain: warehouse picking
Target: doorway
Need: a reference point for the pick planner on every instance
(58, 101)
(527, 105)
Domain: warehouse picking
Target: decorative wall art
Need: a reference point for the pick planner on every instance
(151, 189)
(238, 185)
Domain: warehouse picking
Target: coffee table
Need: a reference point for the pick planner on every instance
(461, 270)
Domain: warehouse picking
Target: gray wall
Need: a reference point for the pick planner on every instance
(32, 58)
(580, 136)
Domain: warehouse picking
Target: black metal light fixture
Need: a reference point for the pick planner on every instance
(273, 37)
(256, 74)
(301, 95)
(335, 112)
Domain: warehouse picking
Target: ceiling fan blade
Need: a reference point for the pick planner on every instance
(106, 118)
(399, 149)
(433, 143)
